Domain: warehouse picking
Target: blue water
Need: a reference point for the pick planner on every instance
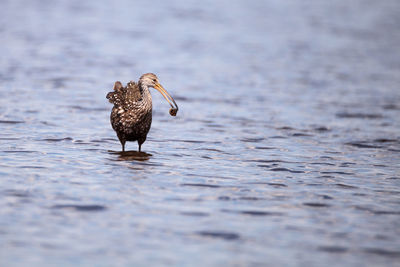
(284, 152)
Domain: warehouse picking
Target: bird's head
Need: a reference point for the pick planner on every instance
(151, 80)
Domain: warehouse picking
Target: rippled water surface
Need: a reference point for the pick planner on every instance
(285, 150)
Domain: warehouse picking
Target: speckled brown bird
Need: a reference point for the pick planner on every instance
(132, 112)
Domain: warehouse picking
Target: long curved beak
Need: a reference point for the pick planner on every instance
(167, 96)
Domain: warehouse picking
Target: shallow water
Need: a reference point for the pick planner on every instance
(285, 150)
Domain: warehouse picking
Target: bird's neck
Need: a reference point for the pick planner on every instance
(145, 92)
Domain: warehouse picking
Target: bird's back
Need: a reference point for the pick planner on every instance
(125, 97)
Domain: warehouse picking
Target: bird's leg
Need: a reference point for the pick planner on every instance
(140, 142)
(123, 145)
(122, 140)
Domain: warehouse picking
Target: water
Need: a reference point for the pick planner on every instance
(285, 150)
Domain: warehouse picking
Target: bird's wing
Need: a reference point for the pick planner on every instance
(117, 96)
(125, 96)
(133, 93)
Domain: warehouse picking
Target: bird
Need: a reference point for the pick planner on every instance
(131, 114)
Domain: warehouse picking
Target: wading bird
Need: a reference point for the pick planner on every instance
(132, 112)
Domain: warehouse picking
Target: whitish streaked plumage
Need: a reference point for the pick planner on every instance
(132, 112)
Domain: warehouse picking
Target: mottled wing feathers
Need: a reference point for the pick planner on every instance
(124, 96)
(117, 96)
(133, 92)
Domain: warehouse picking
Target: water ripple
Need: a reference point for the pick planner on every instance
(230, 236)
(82, 207)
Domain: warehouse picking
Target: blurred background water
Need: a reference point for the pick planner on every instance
(285, 150)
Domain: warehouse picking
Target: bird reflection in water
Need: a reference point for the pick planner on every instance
(131, 155)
